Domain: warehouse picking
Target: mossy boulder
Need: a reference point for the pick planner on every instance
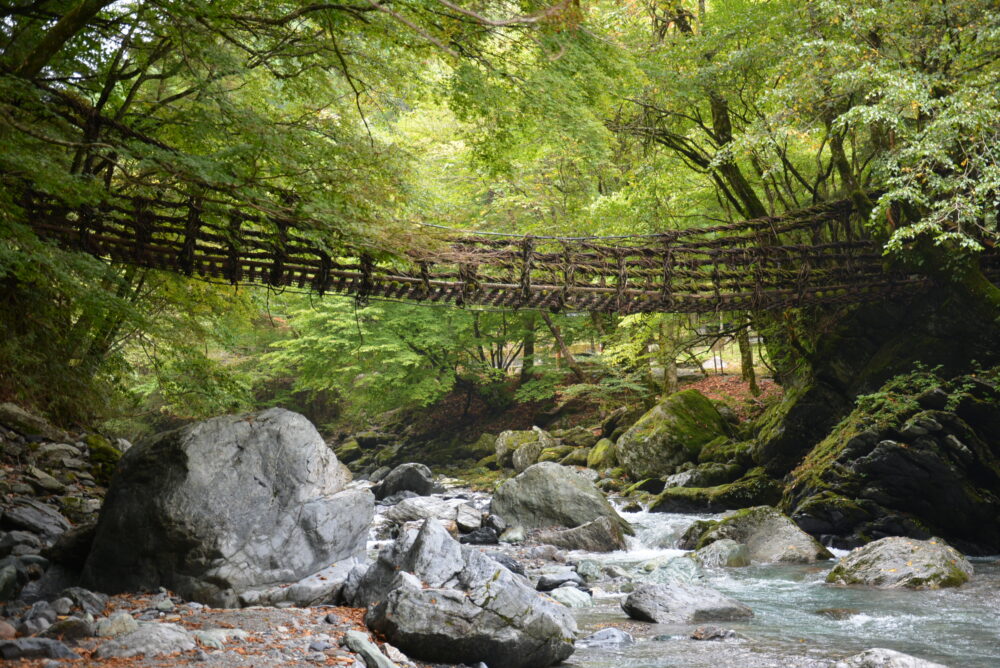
(672, 433)
(348, 451)
(554, 454)
(578, 457)
(103, 458)
(756, 488)
(580, 437)
(898, 563)
(602, 455)
(770, 537)
(509, 442)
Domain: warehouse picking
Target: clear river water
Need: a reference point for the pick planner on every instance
(956, 627)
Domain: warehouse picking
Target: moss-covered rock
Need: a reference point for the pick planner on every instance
(578, 457)
(895, 467)
(103, 458)
(756, 488)
(647, 486)
(509, 442)
(580, 437)
(896, 562)
(348, 451)
(603, 455)
(672, 433)
(554, 454)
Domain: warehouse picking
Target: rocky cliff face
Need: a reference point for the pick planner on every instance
(919, 458)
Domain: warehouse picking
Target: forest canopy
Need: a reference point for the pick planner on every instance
(362, 121)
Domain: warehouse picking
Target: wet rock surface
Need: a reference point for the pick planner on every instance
(897, 562)
(770, 537)
(678, 602)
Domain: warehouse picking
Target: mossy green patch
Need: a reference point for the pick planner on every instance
(756, 488)
(602, 455)
(103, 458)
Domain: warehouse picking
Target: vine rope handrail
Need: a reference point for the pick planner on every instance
(819, 255)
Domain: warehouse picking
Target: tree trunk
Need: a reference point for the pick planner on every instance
(528, 348)
(746, 359)
(563, 350)
(668, 360)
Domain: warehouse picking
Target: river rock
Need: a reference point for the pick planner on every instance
(547, 495)
(35, 516)
(551, 581)
(420, 508)
(439, 601)
(885, 658)
(151, 639)
(35, 648)
(409, 477)
(770, 537)
(571, 597)
(69, 629)
(671, 433)
(681, 603)
(607, 638)
(713, 633)
(117, 624)
(467, 518)
(169, 518)
(897, 562)
(601, 535)
(481, 536)
(359, 642)
(725, 553)
(602, 455)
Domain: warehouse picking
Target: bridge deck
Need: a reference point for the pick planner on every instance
(819, 255)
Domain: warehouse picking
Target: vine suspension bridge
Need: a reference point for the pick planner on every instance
(818, 255)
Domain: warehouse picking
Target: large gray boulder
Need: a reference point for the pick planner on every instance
(549, 495)
(672, 432)
(440, 601)
(770, 536)
(227, 505)
(903, 563)
(682, 603)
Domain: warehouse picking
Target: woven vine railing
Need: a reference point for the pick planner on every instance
(818, 255)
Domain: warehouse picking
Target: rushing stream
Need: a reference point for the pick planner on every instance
(957, 627)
